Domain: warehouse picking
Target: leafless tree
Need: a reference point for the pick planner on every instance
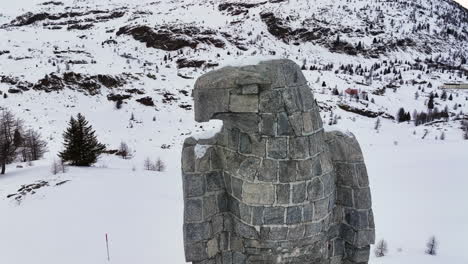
(159, 165)
(432, 246)
(124, 150)
(10, 138)
(381, 249)
(34, 146)
(148, 164)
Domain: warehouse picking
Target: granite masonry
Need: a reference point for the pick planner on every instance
(272, 186)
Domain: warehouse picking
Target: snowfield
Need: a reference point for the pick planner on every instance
(418, 189)
(418, 181)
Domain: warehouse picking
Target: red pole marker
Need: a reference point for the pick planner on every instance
(107, 246)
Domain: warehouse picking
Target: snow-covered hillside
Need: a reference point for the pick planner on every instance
(59, 58)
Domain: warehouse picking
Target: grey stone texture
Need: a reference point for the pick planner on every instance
(273, 186)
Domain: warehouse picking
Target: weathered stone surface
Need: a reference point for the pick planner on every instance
(277, 148)
(273, 187)
(283, 193)
(273, 215)
(287, 171)
(299, 192)
(193, 210)
(243, 103)
(258, 193)
(268, 171)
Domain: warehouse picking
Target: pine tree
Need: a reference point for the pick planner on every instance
(430, 104)
(81, 145)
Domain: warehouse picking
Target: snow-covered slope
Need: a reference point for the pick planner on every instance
(59, 58)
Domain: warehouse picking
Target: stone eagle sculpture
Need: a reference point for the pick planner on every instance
(272, 186)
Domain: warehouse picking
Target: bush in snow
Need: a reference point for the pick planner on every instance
(431, 246)
(81, 145)
(381, 249)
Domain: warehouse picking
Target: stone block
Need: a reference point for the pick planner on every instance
(299, 147)
(245, 144)
(250, 89)
(268, 171)
(277, 148)
(313, 229)
(274, 233)
(347, 233)
(308, 123)
(292, 101)
(357, 255)
(305, 169)
(294, 215)
(293, 75)
(245, 212)
(283, 193)
(258, 193)
(210, 206)
(193, 210)
(243, 103)
(248, 168)
(213, 101)
(315, 189)
(236, 185)
(358, 219)
(214, 181)
(273, 215)
(307, 98)
(296, 122)
(222, 202)
(226, 257)
(299, 192)
(308, 212)
(194, 185)
(239, 258)
(195, 251)
(284, 129)
(270, 102)
(344, 196)
(268, 124)
(296, 232)
(321, 208)
(287, 171)
(188, 160)
(345, 174)
(365, 238)
(361, 173)
(233, 136)
(217, 223)
(244, 230)
(257, 215)
(233, 206)
(195, 232)
(362, 198)
(212, 247)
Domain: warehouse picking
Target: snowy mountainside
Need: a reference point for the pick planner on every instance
(62, 57)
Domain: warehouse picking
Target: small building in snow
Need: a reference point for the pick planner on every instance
(352, 91)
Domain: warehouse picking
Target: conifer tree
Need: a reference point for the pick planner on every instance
(81, 145)
(430, 104)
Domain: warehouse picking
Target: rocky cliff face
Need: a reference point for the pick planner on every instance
(272, 186)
